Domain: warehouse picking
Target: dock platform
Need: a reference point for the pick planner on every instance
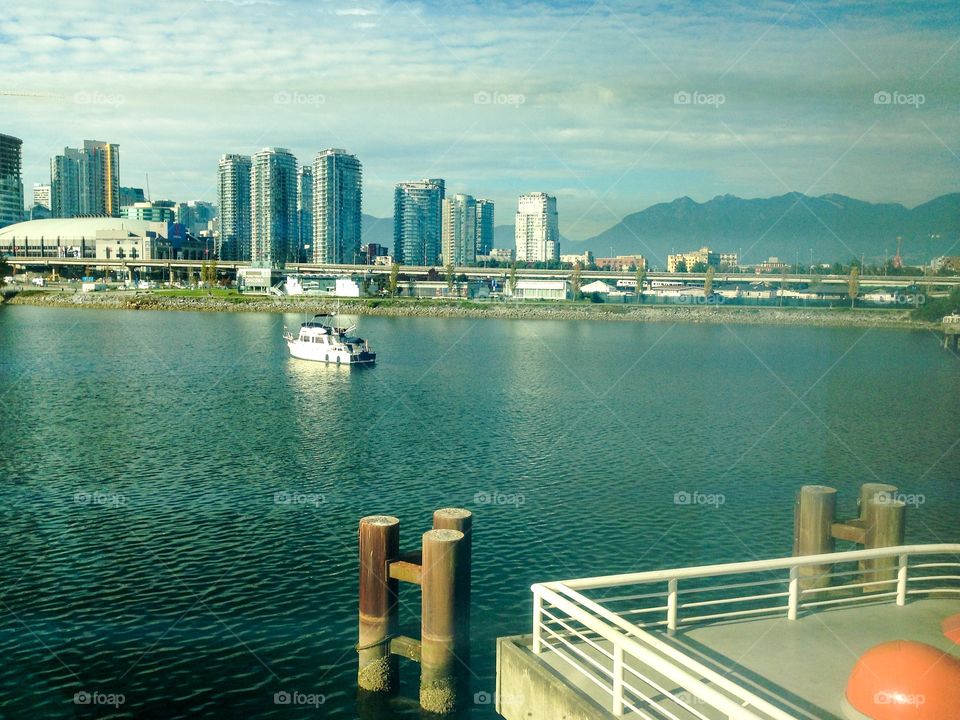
(590, 659)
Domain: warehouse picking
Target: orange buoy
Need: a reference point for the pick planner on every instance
(905, 680)
(951, 628)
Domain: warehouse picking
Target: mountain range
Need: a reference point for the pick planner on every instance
(792, 226)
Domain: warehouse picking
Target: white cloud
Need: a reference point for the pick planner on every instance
(399, 82)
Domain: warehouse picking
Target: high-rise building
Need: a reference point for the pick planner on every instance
(305, 213)
(65, 184)
(131, 195)
(337, 201)
(484, 226)
(537, 229)
(459, 230)
(195, 215)
(273, 207)
(41, 195)
(11, 181)
(149, 212)
(103, 178)
(417, 225)
(233, 192)
(86, 182)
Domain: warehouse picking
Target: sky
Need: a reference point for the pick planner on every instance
(610, 107)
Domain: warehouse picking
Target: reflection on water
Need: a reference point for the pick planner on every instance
(196, 593)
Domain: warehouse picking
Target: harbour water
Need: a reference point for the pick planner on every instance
(180, 498)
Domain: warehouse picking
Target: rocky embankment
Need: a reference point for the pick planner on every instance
(825, 317)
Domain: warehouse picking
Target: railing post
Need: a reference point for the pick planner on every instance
(537, 612)
(617, 680)
(672, 604)
(794, 598)
(902, 580)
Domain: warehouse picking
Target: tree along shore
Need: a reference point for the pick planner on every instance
(408, 307)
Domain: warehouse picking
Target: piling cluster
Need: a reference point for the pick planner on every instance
(442, 570)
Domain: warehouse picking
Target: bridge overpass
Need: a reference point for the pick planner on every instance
(40, 264)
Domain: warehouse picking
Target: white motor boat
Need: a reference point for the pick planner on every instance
(321, 340)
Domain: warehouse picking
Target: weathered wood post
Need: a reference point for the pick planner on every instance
(442, 558)
(870, 491)
(461, 520)
(884, 525)
(379, 546)
(813, 531)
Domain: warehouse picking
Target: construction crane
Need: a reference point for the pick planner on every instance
(897, 260)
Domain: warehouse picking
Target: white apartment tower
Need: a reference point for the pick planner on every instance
(537, 230)
(459, 230)
(337, 200)
(233, 189)
(274, 237)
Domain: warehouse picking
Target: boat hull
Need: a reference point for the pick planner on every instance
(325, 354)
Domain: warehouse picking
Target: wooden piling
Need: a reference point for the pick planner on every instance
(884, 524)
(379, 545)
(813, 526)
(442, 557)
(871, 491)
(462, 520)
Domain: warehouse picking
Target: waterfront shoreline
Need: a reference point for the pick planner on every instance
(715, 314)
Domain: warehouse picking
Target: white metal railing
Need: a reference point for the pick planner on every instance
(652, 678)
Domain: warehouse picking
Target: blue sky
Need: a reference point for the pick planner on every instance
(611, 107)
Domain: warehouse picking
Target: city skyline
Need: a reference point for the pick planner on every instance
(811, 97)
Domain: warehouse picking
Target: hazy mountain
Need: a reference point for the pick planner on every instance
(834, 227)
(377, 230)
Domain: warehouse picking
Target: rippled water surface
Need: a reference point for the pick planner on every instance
(141, 454)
